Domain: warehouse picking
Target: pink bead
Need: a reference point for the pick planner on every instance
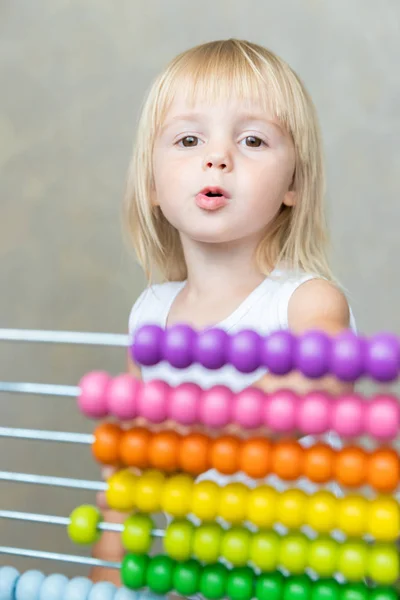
(280, 411)
(92, 399)
(314, 413)
(153, 400)
(247, 409)
(348, 415)
(184, 402)
(216, 406)
(122, 397)
(382, 417)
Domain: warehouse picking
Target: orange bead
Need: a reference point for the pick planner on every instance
(318, 463)
(194, 453)
(105, 447)
(383, 470)
(164, 451)
(287, 460)
(350, 466)
(133, 447)
(255, 457)
(224, 454)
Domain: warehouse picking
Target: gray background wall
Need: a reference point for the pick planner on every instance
(72, 78)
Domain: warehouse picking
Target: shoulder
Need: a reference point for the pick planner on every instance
(318, 304)
(151, 302)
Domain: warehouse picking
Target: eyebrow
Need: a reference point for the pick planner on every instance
(186, 117)
(244, 118)
(262, 119)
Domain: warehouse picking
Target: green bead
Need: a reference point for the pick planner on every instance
(269, 586)
(178, 540)
(213, 581)
(325, 589)
(352, 561)
(83, 526)
(186, 578)
(297, 588)
(323, 556)
(207, 542)
(383, 564)
(240, 584)
(293, 553)
(235, 546)
(354, 591)
(264, 550)
(133, 571)
(383, 593)
(160, 574)
(136, 536)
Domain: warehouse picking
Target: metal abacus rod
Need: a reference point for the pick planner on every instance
(65, 521)
(59, 557)
(66, 482)
(40, 389)
(64, 337)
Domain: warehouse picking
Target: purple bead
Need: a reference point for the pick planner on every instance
(211, 348)
(382, 357)
(347, 356)
(277, 352)
(146, 347)
(312, 355)
(244, 351)
(178, 346)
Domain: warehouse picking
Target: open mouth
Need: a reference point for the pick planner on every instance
(212, 195)
(212, 198)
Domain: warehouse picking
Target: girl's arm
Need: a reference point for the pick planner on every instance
(315, 305)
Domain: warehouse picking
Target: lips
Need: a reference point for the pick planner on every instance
(212, 198)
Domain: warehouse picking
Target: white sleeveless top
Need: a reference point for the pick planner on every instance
(265, 310)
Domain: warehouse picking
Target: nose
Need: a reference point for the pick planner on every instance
(217, 158)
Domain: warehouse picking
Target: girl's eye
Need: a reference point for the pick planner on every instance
(189, 141)
(253, 141)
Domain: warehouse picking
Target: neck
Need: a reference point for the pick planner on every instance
(220, 269)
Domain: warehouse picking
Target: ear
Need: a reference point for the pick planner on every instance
(289, 198)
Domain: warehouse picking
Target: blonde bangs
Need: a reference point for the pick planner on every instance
(218, 71)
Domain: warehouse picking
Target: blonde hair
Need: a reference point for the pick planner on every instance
(298, 235)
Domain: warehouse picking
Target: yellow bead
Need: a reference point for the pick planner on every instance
(322, 512)
(352, 515)
(205, 500)
(383, 519)
(232, 502)
(148, 491)
(291, 508)
(261, 506)
(121, 491)
(176, 496)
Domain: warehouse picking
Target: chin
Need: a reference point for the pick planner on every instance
(212, 235)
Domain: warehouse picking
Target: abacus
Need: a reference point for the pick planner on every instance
(245, 539)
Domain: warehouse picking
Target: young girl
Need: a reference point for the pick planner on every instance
(225, 203)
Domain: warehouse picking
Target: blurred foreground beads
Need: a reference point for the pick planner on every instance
(281, 411)
(314, 353)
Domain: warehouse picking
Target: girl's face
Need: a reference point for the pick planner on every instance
(222, 171)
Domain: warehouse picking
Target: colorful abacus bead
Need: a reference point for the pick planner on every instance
(355, 560)
(262, 506)
(257, 457)
(282, 411)
(313, 353)
(215, 581)
(84, 523)
(34, 585)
